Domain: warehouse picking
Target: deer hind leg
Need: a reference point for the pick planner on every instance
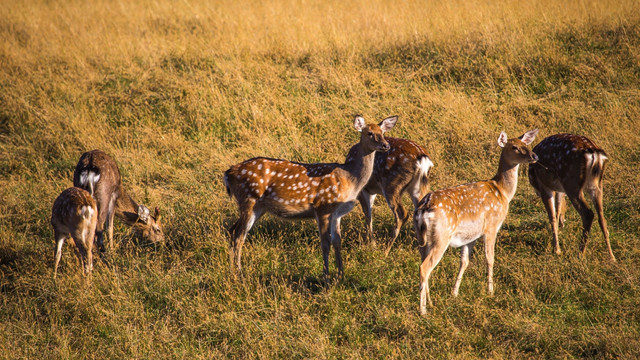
(431, 255)
(366, 200)
(577, 199)
(57, 252)
(109, 220)
(464, 262)
(548, 198)
(561, 208)
(596, 197)
(239, 231)
(81, 250)
(394, 200)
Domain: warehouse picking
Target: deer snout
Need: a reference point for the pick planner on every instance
(534, 157)
(385, 147)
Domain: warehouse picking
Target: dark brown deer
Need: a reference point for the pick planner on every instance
(74, 216)
(459, 216)
(570, 164)
(97, 173)
(402, 169)
(293, 190)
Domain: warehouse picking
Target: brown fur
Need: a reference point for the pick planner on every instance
(569, 164)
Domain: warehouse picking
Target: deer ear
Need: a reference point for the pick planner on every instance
(388, 123)
(156, 214)
(359, 123)
(528, 137)
(143, 214)
(502, 139)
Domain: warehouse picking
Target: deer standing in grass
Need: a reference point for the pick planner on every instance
(97, 173)
(459, 216)
(402, 169)
(324, 191)
(74, 216)
(568, 165)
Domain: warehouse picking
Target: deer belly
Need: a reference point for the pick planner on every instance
(466, 232)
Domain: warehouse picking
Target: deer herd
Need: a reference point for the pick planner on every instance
(377, 165)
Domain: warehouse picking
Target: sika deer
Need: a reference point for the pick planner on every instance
(402, 169)
(568, 165)
(74, 215)
(97, 173)
(458, 216)
(293, 190)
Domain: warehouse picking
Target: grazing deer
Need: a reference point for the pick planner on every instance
(293, 190)
(458, 216)
(97, 173)
(402, 169)
(74, 215)
(568, 165)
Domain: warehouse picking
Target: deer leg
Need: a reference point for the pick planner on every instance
(336, 242)
(81, 251)
(109, 220)
(366, 200)
(561, 208)
(57, 252)
(431, 255)
(596, 197)
(548, 201)
(324, 227)
(464, 262)
(394, 200)
(239, 231)
(489, 250)
(587, 217)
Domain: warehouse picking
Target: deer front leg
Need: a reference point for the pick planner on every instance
(489, 249)
(366, 200)
(336, 241)
(464, 262)
(324, 228)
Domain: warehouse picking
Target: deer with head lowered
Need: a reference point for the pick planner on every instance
(402, 169)
(324, 191)
(459, 216)
(74, 216)
(569, 164)
(97, 173)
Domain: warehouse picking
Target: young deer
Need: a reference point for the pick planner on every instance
(402, 169)
(97, 173)
(458, 216)
(74, 215)
(293, 190)
(568, 165)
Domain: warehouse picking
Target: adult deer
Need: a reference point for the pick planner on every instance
(293, 190)
(458, 216)
(97, 173)
(568, 165)
(402, 169)
(74, 215)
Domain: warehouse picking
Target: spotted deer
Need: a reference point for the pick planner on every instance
(324, 191)
(74, 216)
(459, 216)
(402, 169)
(97, 173)
(570, 164)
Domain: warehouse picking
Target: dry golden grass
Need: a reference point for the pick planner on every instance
(178, 91)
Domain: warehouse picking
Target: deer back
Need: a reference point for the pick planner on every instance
(567, 160)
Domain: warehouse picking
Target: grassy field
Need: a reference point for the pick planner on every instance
(176, 92)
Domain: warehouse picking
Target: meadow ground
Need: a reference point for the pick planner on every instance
(178, 91)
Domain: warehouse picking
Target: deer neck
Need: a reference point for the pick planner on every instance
(126, 208)
(507, 178)
(359, 165)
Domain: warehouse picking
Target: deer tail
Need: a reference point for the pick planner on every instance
(424, 166)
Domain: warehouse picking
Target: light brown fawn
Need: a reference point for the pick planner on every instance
(293, 190)
(568, 165)
(459, 216)
(74, 215)
(97, 173)
(402, 169)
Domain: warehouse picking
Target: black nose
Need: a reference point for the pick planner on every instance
(386, 147)
(534, 156)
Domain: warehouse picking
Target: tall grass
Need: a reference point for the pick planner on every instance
(178, 91)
